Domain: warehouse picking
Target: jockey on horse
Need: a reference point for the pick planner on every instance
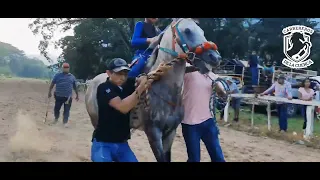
(144, 34)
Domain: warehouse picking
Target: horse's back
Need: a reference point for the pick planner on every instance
(91, 94)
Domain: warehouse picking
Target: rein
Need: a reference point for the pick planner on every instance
(189, 53)
(216, 100)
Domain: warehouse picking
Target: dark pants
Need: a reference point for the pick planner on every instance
(66, 108)
(304, 114)
(111, 152)
(235, 104)
(206, 131)
(254, 75)
(283, 116)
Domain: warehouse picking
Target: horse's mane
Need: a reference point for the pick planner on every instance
(155, 51)
(155, 46)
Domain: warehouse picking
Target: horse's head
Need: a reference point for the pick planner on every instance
(189, 42)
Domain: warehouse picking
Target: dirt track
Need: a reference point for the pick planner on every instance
(24, 136)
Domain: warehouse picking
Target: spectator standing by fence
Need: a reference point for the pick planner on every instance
(253, 63)
(64, 83)
(282, 88)
(235, 102)
(305, 94)
(268, 66)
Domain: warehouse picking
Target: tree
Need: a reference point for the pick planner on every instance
(269, 32)
(97, 40)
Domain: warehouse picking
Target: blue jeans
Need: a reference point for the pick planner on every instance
(254, 75)
(66, 107)
(283, 116)
(235, 103)
(304, 115)
(111, 152)
(208, 132)
(138, 67)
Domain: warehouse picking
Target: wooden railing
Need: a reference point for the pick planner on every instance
(269, 99)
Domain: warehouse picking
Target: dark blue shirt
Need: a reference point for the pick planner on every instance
(113, 126)
(64, 84)
(253, 61)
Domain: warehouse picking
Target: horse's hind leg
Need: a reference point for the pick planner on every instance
(154, 135)
(167, 141)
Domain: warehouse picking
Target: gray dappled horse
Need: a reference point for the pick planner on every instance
(159, 111)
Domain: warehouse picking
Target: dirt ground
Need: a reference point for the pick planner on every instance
(24, 136)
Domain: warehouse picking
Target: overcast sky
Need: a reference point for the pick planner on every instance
(15, 31)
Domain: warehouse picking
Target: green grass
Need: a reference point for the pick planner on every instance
(294, 123)
(260, 123)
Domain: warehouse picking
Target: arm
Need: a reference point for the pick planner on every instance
(50, 89)
(136, 38)
(269, 90)
(234, 91)
(300, 95)
(53, 82)
(289, 90)
(75, 88)
(125, 105)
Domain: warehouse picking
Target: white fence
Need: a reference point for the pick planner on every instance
(268, 100)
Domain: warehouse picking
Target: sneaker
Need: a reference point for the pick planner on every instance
(236, 120)
(282, 131)
(66, 125)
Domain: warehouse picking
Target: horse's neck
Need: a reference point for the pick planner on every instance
(176, 74)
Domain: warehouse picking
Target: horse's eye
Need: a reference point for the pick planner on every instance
(187, 31)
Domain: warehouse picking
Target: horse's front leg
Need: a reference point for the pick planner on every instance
(154, 135)
(167, 141)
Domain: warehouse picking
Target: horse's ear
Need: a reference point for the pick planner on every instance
(174, 19)
(196, 20)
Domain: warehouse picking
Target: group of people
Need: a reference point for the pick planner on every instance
(282, 88)
(118, 95)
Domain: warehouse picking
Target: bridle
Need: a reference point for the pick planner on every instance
(189, 53)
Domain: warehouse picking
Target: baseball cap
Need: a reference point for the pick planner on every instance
(65, 65)
(117, 65)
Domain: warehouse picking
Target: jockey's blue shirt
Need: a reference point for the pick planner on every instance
(142, 31)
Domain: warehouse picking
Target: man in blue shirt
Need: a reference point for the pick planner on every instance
(253, 63)
(144, 34)
(64, 82)
(235, 102)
